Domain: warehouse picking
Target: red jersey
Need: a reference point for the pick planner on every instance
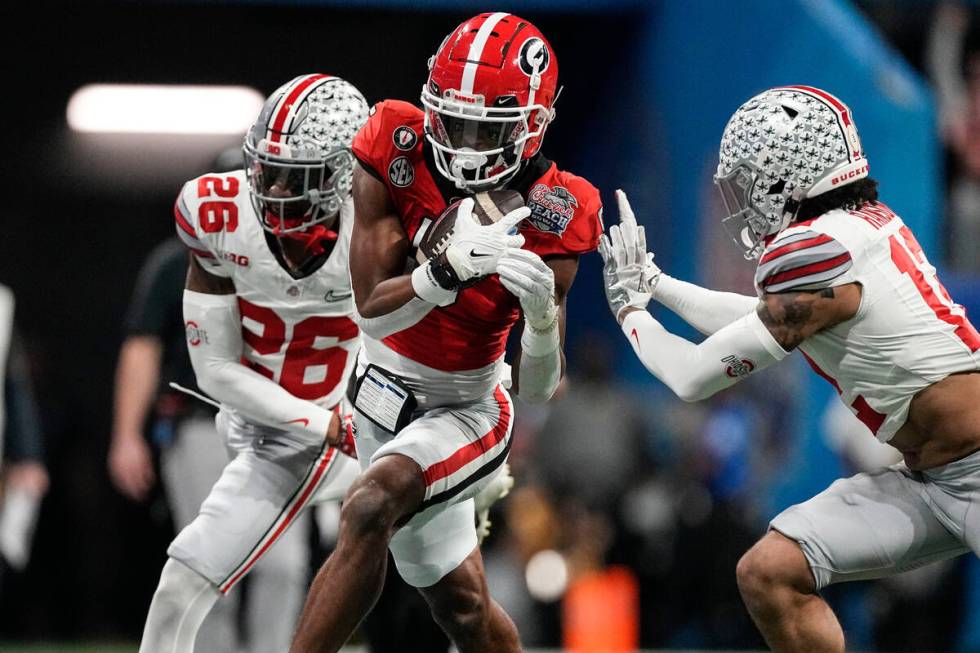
(565, 220)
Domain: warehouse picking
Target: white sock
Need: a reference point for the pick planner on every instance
(181, 602)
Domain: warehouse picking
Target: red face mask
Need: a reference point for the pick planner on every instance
(313, 237)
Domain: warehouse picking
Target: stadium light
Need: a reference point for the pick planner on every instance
(163, 109)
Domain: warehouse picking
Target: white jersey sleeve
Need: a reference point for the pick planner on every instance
(203, 210)
(801, 259)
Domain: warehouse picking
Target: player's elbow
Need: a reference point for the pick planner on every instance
(689, 390)
(211, 380)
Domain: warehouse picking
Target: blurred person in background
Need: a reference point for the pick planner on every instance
(151, 419)
(843, 279)
(266, 310)
(23, 473)
(589, 448)
(955, 73)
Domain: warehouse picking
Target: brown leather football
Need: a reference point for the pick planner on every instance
(488, 207)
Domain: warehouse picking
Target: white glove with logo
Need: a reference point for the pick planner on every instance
(629, 274)
(476, 248)
(529, 279)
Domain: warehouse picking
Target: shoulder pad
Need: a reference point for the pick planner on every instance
(394, 128)
(803, 260)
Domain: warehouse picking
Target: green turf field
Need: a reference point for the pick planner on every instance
(67, 648)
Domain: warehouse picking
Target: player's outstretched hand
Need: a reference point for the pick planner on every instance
(629, 273)
(525, 275)
(476, 248)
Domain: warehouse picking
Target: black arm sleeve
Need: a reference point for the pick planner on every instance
(23, 434)
(157, 296)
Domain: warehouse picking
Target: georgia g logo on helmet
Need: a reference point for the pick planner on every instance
(534, 57)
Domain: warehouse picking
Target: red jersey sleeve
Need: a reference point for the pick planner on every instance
(566, 215)
(365, 145)
(390, 132)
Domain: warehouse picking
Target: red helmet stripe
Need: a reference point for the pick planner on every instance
(285, 108)
(843, 114)
(476, 51)
(834, 102)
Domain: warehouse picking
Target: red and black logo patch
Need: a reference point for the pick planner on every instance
(405, 138)
(738, 367)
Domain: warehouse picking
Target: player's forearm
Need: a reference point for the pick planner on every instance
(137, 378)
(215, 350)
(540, 367)
(261, 399)
(379, 299)
(696, 371)
(706, 310)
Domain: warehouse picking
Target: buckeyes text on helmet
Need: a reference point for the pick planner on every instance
(489, 99)
(298, 158)
(783, 146)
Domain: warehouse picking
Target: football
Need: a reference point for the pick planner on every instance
(488, 207)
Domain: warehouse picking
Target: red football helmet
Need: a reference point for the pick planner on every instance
(488, 99)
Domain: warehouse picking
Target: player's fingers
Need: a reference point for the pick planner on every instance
(465, 209)
(512, 280)
(514, 242)
(529, 263)
(516, 274)
(625, 210)
(527, 276)
(512, 219)
(618, 248)
(641, 243)
(628, 231)
(604, 248)
(527, 257)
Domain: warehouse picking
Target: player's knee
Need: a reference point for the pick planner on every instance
(773, 569)
(368, 510)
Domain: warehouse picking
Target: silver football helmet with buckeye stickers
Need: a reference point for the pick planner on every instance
(298, 158)
(781, 147)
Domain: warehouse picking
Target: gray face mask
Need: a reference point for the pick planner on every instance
(747, 225)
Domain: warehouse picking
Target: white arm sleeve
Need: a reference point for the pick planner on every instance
(540, 368)
(705, 310)
(214, 341)
(696, 371)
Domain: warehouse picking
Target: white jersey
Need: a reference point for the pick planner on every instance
(297, 332)
(907, 334)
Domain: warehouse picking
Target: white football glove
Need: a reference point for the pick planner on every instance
(529, 279)
(629, 273)
(475, 248)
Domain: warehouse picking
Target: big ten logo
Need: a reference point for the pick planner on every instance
(237, 259)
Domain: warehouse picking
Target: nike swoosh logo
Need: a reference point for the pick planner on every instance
(301, 420)
(476, 254)
(635, 337)
(332, 296)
